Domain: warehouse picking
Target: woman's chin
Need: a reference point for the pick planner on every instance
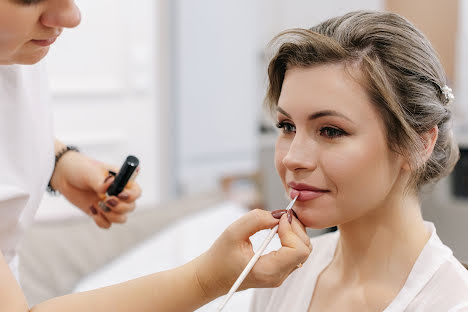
(30, 58)
(314, 221)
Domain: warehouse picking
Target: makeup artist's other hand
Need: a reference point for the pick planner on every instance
(222, 264)
(84, 182)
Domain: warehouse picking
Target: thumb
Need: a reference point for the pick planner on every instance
(101, 180)
(252, 222)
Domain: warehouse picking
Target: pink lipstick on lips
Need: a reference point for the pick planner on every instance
(44, 43)
(304, 191)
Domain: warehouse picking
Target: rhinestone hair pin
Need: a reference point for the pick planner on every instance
(448, 94)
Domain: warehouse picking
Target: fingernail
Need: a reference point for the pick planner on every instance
(124, 196)
(108, 177)
(289, 216)
(278, 213)
(93, 210)
(112, 202)
(103, 207)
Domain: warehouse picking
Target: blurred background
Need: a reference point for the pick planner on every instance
(180, 84)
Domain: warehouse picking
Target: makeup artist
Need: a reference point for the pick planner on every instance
(33, 161)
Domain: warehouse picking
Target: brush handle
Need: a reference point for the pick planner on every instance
(249, 266)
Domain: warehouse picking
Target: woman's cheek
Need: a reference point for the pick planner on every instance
(346, 171)
(358, 178)
(340, 165)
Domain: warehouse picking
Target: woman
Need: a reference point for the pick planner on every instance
(27, 29)
(363, 109)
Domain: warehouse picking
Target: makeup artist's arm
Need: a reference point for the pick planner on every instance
(11, 296)
(189, 286)
(84, 181)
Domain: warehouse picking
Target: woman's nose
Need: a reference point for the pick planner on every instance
(300, 156)
(61, 14)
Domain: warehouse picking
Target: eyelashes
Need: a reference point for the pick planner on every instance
(331, 132)
(286, 126)
(327, 131)
(29, 2)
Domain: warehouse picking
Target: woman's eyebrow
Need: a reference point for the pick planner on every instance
(282, 111)
(328, 113)
(317, 115)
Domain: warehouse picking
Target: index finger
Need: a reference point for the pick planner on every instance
(249, 224)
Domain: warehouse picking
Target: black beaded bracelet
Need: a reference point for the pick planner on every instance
(59, 155)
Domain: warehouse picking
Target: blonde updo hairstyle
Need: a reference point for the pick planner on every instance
(398, 68)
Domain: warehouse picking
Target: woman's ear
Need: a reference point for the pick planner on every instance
(429, 140)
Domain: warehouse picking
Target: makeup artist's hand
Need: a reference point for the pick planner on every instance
(221, 265)
(84, 182)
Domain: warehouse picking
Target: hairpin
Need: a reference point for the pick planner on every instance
(448, 94)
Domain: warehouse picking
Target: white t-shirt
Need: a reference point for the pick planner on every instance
(26, 153)
(436, 283)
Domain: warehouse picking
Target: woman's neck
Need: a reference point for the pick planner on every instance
(382, 245)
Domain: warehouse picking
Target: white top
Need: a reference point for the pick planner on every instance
(437, 281)
(26, 153)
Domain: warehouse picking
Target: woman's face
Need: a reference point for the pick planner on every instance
(29, 27)
(331, 149)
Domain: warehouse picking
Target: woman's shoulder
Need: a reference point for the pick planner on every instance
(453, 275)
(450, 271)
(447, 290)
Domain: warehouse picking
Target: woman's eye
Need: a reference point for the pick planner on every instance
(286, 126)
(330, 132)
(29, 2)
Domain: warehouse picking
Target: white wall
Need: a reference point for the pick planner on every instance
(216, 81)
(280, 15)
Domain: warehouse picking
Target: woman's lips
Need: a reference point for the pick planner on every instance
(305, 192)
(44, 43)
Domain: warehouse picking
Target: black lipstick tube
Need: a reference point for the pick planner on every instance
(126, 173)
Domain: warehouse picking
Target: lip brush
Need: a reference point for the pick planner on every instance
(252, 261)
